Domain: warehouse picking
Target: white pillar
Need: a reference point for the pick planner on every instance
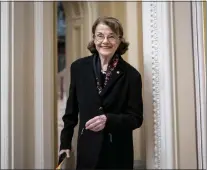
(15, 150)
(5, 86)
(38, 86)
(158, 85)
(200, 80)
(44, 85)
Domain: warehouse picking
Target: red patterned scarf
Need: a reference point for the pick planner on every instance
(111, 66)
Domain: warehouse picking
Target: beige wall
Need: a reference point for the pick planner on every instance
(185, 98)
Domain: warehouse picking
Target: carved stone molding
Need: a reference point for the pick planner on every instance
(155, 83)
(158, 79)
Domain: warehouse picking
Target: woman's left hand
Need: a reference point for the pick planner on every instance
(97, 123)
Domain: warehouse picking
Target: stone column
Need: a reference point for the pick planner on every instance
(199, 47)
(44, 114)
(158, 86)
(27, 85)
(5, 85)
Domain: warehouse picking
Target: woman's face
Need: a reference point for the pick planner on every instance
(106, 41)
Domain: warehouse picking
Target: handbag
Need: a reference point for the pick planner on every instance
(67, 163)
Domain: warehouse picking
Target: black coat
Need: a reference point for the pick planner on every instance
(120, 100)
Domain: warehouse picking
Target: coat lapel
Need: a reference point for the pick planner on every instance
(91, 77)
(116, 74)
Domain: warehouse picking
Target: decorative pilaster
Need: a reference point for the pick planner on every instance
(199, 42)
(158, 74)
(38, 85)
(155, 83)
(44, 100)
(5, 87)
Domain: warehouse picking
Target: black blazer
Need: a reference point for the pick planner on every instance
(120, 100)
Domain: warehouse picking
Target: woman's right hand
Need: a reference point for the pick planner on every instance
(67, 151)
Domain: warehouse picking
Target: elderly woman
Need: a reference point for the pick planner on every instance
(106, 92)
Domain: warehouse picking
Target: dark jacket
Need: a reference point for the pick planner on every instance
(120, 101)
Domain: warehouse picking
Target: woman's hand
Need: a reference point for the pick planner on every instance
(97, 123)
(67, 151)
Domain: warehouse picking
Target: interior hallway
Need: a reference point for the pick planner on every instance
(167, 46)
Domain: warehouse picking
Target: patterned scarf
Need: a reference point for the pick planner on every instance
(111, 66)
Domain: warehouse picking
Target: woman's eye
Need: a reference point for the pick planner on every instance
(111, 37)
(100, 35)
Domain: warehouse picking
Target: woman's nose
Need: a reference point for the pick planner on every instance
(105, 40)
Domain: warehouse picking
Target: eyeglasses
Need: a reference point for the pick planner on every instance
(110, 38)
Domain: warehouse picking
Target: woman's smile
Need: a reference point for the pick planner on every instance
(105, 47)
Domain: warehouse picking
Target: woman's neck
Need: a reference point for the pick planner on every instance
(104, 62)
